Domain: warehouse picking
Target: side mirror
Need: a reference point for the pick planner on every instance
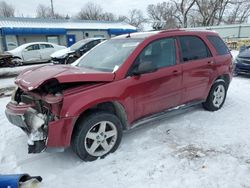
(145, 67)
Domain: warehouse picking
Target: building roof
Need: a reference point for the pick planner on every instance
(19, 22)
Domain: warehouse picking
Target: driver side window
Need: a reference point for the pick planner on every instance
(161, 52)
(32, 47)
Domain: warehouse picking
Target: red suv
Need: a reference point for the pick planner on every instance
(123, 82)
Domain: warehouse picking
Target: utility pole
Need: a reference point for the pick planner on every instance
(52, 8)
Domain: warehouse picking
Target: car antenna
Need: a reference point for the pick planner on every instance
(128, 36)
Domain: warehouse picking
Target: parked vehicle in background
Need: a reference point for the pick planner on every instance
(35, 52)
(121, 83)
(69, 55)
(242, 61)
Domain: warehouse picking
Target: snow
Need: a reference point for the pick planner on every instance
(195, 148)
(67, 24)
(7, 82)
(234, 53)
(13, 71)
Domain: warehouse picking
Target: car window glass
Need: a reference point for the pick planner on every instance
(44, 46)
(193, 48)
(48, 46)
(161, 52)
(90, 45)
(219, 45)
(32, 47)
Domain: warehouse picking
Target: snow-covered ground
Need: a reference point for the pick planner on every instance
(7, 82)
(234, 53)
(193, 149)
(13, 71)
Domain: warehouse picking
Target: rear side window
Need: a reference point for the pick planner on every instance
(193, 48)
(218, 44)
(43, 46)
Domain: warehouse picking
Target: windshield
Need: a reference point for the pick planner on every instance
(78, 45)
(108, 56)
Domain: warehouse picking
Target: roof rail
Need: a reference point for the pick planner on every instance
(171, 30)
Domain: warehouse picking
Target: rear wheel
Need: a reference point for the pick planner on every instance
(216, 97)
(97, 135)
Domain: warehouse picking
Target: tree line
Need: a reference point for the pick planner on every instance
(169, 14)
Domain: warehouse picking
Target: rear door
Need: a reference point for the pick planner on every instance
(31, 53)
(197, 65)
(46, 50)
(156, 91)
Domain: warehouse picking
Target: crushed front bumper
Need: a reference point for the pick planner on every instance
(41, 132)
(31, 122)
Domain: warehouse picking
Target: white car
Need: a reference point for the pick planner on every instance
(34, 52)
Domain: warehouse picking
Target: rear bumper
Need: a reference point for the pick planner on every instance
(41, 133)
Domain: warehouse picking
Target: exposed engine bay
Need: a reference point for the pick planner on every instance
(35, 110)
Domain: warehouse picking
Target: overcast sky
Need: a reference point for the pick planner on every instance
(71, 7)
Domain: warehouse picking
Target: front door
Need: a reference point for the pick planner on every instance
(71, 39)
(31, 54)
(159, 90)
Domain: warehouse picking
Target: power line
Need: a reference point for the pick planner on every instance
(52, 7)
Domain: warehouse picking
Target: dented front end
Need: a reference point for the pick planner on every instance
(36, 106)
(33, 111)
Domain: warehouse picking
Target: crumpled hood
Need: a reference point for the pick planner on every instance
(244, 54)
(60, 53)
(32, 78)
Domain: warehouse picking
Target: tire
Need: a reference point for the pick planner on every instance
(17, 62)
(96, 136)
(216, 96)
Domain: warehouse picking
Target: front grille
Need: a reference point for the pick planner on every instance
(246, 61)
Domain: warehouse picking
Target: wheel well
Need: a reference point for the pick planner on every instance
(226, 78)
(113, 107)
(16, 57)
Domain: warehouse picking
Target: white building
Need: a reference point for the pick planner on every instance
(17, 31)
(231, 31)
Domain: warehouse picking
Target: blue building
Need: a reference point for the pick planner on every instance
(17, 31)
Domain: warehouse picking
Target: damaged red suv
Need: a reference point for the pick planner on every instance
(123, 82)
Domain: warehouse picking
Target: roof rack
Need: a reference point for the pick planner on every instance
(171, 30)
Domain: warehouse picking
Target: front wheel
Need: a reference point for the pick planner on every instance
(17, 62)
(97, 135)
(216, 97)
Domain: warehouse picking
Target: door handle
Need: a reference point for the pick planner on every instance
(210, 62)
(175, 72)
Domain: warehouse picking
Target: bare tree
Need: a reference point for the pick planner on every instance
(91, 11)
(134, 18)
(43, 11)
(211, 11)
(224, 5)
(6, 10)
(183, 8)
(162, 15)
(107, 16)
(240, 11)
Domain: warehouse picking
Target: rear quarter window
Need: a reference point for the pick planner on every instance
(219, 45)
